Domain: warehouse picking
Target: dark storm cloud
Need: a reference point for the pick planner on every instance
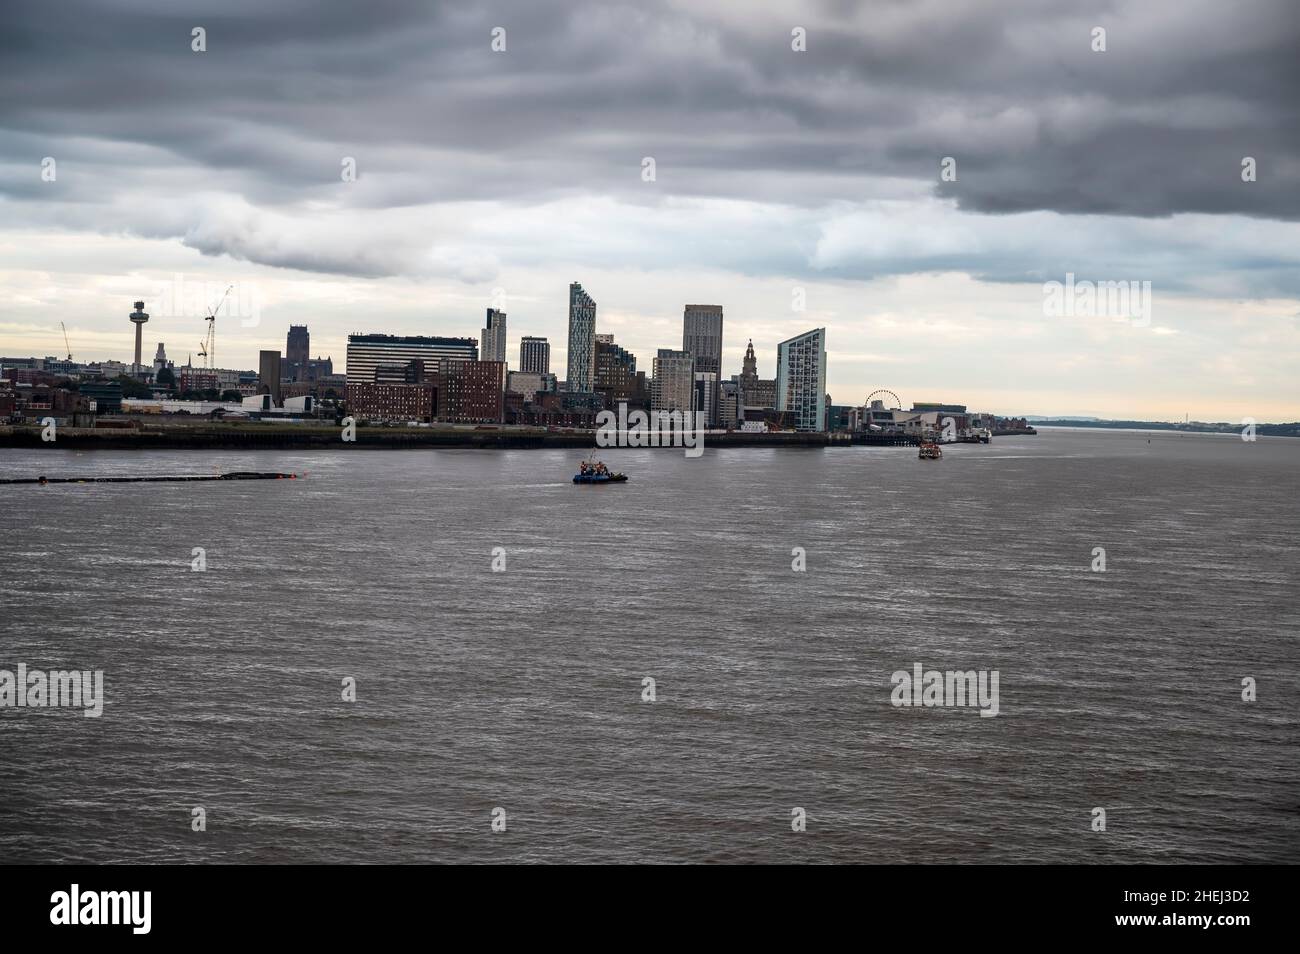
(1156, 125)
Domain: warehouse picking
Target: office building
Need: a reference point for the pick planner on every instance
(673, 387)
(617, 379)
(366, 353)
(413, 372)
(534, 355)
(702, 337)
(801, 380)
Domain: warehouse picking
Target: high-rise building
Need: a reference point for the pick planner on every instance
(297, 352)
(801, 379)
(268, 376)
(702, 337)
(673, 387)
(582, 339)
(160, 359)
(616, 377)
(534, 355)
(366, 353)
(493, 337)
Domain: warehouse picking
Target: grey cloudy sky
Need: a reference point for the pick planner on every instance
(522, 171)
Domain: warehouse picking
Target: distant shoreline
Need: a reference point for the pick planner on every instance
(245, 436)
(1263, 430)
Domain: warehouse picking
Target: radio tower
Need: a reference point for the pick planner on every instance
(138, 318)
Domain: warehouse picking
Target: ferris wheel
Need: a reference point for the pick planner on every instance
(884, 395)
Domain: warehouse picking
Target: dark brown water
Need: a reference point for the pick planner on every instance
(522, 689)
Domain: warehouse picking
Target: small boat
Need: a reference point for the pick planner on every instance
(930, 451)
(596, 472)
(599, 478)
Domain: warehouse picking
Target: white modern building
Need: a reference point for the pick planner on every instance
(801, 379)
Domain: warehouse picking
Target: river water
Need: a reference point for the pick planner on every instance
(523, 688)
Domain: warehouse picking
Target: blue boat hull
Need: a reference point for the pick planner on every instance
(598, 478)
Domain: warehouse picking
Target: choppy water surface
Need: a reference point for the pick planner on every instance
(522, 689)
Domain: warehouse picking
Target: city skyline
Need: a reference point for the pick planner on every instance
(514, 360)
(798, 182)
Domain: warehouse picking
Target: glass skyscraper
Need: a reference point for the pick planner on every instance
(582, 340)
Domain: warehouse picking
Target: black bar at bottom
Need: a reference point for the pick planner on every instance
(974, 905)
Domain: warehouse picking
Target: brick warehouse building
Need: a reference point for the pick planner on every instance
(393, 402)
(462, 392)
(471, 392)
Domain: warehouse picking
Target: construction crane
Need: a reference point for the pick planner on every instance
(208, 349)
(65, 339)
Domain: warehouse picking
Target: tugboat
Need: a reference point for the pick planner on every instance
(597, 473)
(930, 451)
